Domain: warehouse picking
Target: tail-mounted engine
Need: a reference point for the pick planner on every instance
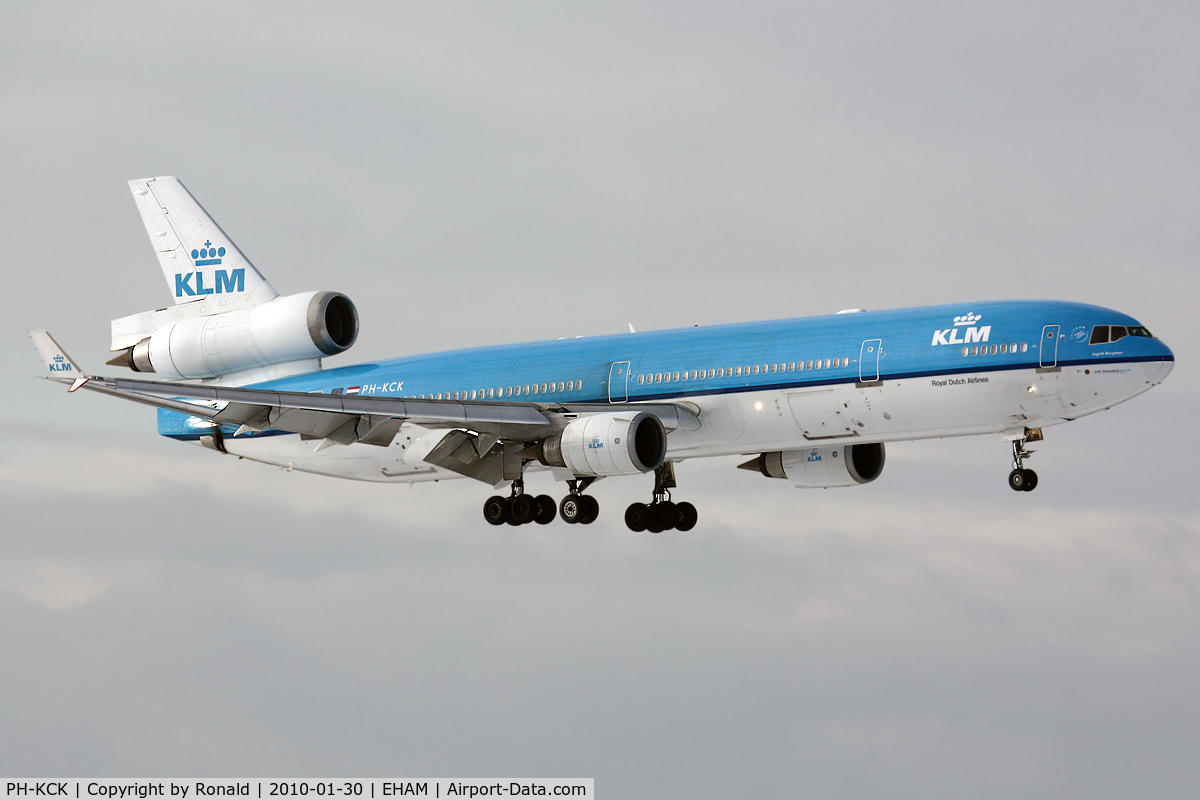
(297, 327)
(823, 467)
(608, 444)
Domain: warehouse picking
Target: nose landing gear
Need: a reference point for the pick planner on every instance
(1021, 479)
(661, 514)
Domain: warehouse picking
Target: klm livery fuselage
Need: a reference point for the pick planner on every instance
(871, 376)
(812, 401)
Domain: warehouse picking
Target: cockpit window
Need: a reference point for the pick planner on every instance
(1103, 334)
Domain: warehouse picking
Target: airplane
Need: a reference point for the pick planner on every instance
(812, 401)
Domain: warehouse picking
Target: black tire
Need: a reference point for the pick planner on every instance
(571, 509)
(686, 517)
(495, 510)
(520, 509)
(591, 509)
(1017, 480)
(636, 517)
(663, 515)
(544, 509)
(1031, 480)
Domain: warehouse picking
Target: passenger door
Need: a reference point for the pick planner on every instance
(618, 382)
(1048, 349)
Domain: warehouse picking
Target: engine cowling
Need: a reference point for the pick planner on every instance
(608, 444)
(823, 467)
(293, 328)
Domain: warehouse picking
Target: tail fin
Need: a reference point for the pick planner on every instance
(198, 260)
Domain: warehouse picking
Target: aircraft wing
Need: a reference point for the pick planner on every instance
(344, 419)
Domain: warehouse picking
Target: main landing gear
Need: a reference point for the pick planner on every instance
(579, 508)
(519, 508)
(661, 514)
(1021, 479)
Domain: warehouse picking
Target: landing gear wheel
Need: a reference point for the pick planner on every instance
(571, 509)
(495, 510)
(1031, 480)
(685, 517)
(591, 509)
(637, 516)
(663, 515)
(521, 509)
(1017, 480)
(544, 509)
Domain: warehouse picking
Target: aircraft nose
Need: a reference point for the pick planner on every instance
(1156, 371)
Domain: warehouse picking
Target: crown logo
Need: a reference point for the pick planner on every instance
(208, 255)
(968, 319)
(58, 359)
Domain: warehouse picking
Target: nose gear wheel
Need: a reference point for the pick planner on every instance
(1021, 479)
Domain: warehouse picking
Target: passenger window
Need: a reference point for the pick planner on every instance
(1024, 346)
(527, 388)
(994, 349)
(837, 362)
(544, 388)
(827, 363)
(966, 352)
(561, 386)
(641, 379)
(810, 364)
(974, 351)
(791, 366)
(756, 369)
(1118, 332)
(1003, 349)
(720, 372)
(1099, 335)
(693, 374)
(818, 363)
(676, 376)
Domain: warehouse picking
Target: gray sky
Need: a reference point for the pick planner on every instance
(476, 174)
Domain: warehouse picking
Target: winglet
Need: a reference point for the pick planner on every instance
(57, 364)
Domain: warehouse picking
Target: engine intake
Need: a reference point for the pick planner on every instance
(292, 328)
(823, 467)
(608, 444)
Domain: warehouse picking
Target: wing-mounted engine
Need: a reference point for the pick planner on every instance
(295, 328)
(822, 467)
(608, 444)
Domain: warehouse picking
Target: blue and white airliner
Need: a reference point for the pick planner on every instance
(812, 401)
